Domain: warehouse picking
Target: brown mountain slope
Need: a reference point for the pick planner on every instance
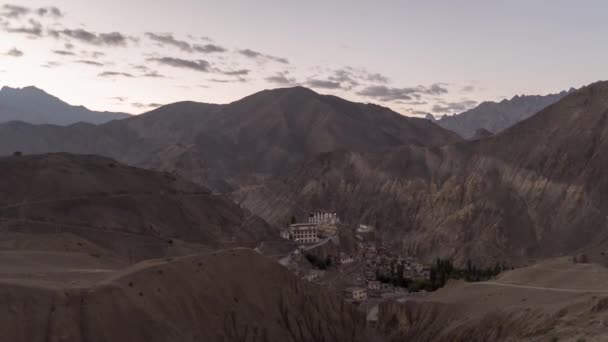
(552, 301)
(230, 145)
(531, 191)
(234, 295)
(132, 212)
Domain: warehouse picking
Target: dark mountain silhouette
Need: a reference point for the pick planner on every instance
(33, 105)
(228, 146)
(496, 116)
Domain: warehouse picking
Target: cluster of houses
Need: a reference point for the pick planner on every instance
(375, 260)
(320, 224)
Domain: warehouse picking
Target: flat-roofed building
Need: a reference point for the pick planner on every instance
(357, 294)
(318, 217)
(304, 233)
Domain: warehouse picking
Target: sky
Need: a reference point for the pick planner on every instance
(416, 57)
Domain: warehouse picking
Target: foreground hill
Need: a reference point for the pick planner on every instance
(33, 105)
(552, 301)
(129, 212)
(234, 295)
(227, 146)
(534, 190)
(497, 116)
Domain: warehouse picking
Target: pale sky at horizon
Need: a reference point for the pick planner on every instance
(412, 56)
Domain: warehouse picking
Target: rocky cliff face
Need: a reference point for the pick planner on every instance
(533, 190)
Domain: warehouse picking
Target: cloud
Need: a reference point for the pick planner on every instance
(260, 56)
(154, 74)
(63, 53)
(434, 89)
(51, 11)
(35, 29)
(14, 11)
(146, 105)
(50, 65)
(347, 78)
(196, 65)
(209, 48)
(147, 72)
(467, 89)
(114, 73)
(14, 52)
(102, 39)
(220, 80)
(453, 107)
(241, 72)
(323, 84)
(281, 78)
(88, 62)
(168, 39)
(384, 93)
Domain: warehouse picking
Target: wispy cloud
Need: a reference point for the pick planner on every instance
(167, 39)
(14, 52)
(282, 78)
(89, 62)
(14, 11)
(261, 56)
(453, 107)
(323, 84)
(114, 74)
(63, 53)
(33, 29)
(385, 93)
(111, 39)
(196, 65)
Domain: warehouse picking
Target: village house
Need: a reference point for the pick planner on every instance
(304, 233)
(319, 217)
(314, 275)
(373, 285)
(285, 234)
(356, 294)
(345, 259)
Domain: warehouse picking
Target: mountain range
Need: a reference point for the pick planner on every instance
(529, 191)
(497, 116)
(33, 105)
(229, 146)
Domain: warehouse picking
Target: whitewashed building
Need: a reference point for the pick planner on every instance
(346, 259)
(304, 233)
(319, 217)
(357, 294)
